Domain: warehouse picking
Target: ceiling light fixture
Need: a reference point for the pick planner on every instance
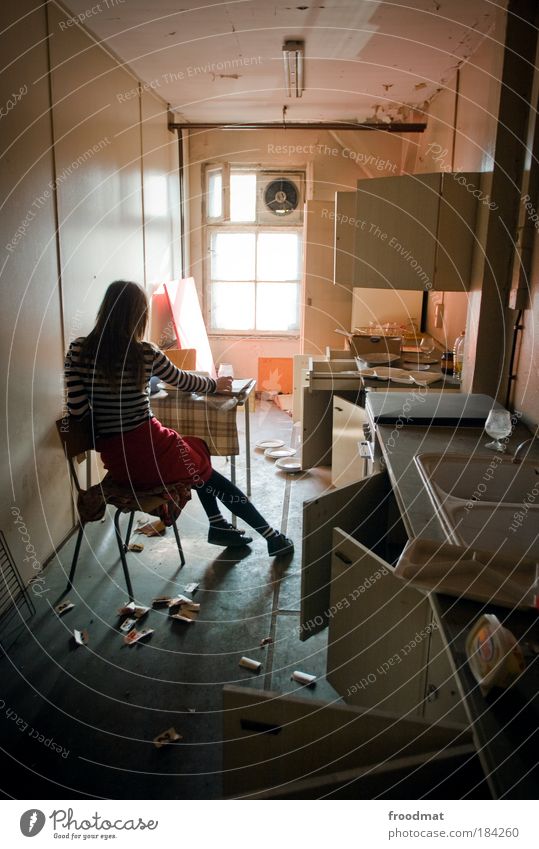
(293, 53)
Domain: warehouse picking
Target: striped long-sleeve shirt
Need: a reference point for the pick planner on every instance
(128, 406)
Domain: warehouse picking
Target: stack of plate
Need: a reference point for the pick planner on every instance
(276, 450)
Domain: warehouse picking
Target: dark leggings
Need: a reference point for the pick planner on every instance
(219, 487)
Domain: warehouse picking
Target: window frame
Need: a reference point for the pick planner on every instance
(223, 224)
(256, 229)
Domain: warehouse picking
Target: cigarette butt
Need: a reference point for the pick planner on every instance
(181, 618)
(303, 678)
(135, 546)
(253, 665)
(266, 641)
(62, 608)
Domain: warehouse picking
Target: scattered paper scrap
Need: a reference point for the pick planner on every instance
(63, 607)
(126, 626)
(152, 529)
(191, 588)
(178, 600)
(135, 546)
(161, 601)
(189, 620)
(247, 663)
(265, 641)
(81, 637)
(303, 678)
(166, 738)
(133, 610)
(134, 636)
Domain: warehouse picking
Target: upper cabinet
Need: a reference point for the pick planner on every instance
(411, 232)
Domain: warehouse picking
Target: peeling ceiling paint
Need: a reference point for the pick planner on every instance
(224, 62)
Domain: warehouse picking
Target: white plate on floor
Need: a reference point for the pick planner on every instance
(279, 453)
(286, 464)
(270, 443)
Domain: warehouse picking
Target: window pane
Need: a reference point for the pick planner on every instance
(278, 256)
(277, 306)
(215, 194)
(233, 306)
(242, 197)
(233, 256)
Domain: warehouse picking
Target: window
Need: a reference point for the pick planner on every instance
(253, 272)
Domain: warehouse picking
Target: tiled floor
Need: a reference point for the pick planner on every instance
(79, 722)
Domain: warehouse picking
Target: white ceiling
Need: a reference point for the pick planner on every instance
(365, 60)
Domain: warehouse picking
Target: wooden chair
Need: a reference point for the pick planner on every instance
(77, 439)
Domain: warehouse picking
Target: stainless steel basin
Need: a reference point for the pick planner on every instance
(487, 502)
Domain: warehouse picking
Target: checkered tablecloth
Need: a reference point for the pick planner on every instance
(212, 419)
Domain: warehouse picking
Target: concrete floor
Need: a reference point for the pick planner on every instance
(78, 722)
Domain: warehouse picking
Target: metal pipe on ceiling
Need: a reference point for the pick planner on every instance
(299, 125)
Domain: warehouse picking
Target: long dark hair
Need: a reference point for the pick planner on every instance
(114, 345)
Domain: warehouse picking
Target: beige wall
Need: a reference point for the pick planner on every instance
(76, 153)
(334, 162)
(461, 136)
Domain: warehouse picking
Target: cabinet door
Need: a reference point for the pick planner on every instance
(360, 509)
(345, 239)
(271, 739)
(379, 632)
(443, 700)
(456, 228)
(316, 427)
(347, 465)
(397, 233)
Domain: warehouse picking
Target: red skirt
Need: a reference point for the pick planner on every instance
(152, 454)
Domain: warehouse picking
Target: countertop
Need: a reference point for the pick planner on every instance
(506, 722)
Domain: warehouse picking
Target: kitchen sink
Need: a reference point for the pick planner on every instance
(488, 502)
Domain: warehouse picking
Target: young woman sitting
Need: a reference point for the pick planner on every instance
(108, 375)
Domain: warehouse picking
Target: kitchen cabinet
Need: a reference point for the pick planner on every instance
(348, 464)
(384, 647)
(409, 232)
(365, 510)
(279, 746)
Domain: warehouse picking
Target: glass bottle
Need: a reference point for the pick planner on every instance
(458, 356)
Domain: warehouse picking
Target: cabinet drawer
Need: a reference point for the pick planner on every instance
(379, 632)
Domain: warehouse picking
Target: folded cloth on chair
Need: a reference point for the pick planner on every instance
(91, 502)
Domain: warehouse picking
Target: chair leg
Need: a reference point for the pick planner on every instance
(129, 528)
(179, 544)
(121, 549)
(75, 557)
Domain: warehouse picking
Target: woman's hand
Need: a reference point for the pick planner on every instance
(224, 384)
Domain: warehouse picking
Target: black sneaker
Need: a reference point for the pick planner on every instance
(228, 537)
(279, 545)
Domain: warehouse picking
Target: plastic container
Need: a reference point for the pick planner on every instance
(458, 356)
(494, 654)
